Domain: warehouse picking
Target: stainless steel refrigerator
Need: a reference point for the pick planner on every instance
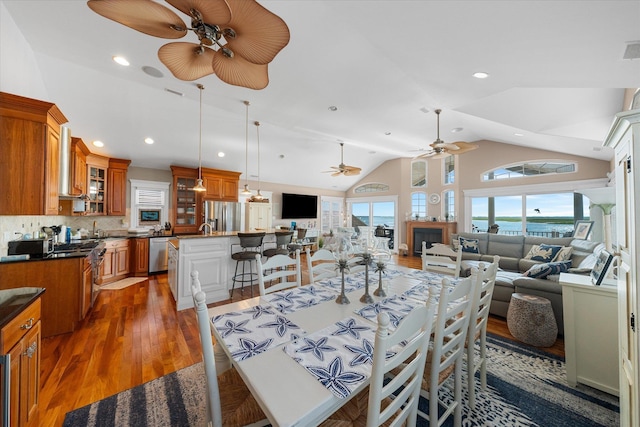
(223, 216)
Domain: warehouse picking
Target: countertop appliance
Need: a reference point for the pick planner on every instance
(36, 248)
(223, 216)
(158, 254)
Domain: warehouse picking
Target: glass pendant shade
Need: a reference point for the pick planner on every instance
(199, 186)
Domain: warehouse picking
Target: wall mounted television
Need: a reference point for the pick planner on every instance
(296, 206)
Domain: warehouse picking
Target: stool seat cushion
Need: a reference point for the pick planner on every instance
(275, 251)
(244, 255)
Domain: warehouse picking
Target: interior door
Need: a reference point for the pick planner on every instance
(627, 286)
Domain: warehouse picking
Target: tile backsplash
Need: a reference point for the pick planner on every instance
(12, 226)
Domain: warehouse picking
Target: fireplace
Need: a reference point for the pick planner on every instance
(430, 232)
(427, 235)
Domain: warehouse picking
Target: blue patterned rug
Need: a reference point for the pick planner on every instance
(526, 387)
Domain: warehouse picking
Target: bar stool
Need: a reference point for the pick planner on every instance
(283, 238)
(250, 246)
(301, 233)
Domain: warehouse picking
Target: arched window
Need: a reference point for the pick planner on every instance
(536, 168)
(375, 187)
(418, 205)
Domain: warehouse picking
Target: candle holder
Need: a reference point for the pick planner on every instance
(380, 268)
(343, 265)
(366, 298)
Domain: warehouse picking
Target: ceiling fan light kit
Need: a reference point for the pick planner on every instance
(440, 149)
(237, 38)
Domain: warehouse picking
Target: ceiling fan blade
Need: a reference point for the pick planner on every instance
(148, 17)
(240, 72)
(465, 146)
(442, 155)
(352, 171)
(429, 154)
(445, 145)
(184, 61)
(259, 34)
(337, 173)
(213, 11)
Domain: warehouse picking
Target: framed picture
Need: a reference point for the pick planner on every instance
(599, 271)
(582, 229)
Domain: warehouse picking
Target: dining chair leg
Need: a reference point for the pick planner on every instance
(457, 393)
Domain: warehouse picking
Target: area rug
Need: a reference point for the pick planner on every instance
(123, 283)
(526, 387)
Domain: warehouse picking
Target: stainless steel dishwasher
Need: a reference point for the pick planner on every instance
(158, 254)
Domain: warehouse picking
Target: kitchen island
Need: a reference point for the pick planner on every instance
(210, 255)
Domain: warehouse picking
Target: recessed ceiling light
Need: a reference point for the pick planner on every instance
(148, 141)
(98, 143)
(153, 72)
(519, 134)
(480, 75)
(121, 60)
(220, 154)
(456, 130)
(333, 108)
(387, 133)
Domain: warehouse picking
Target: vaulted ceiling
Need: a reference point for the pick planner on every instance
(556, 76)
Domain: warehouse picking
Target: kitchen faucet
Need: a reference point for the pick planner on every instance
(206, 224)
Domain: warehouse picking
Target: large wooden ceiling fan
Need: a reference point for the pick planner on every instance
(237, 38)
(440, 149)
(343, 169)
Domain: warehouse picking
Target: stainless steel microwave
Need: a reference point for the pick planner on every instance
(36, 248)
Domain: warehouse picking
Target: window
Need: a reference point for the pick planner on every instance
(449, 169)
(331, 213)
(418, 205)
(374, 212)
(542, 167)
(371, 188)
(449, 204)
(545, 215)
(419, 174)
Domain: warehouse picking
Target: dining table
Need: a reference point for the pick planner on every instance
(276, 341)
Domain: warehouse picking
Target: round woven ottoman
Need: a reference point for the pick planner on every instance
(530, 319)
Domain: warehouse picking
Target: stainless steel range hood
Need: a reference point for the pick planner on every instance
(65, 168)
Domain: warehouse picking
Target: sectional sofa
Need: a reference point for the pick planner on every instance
(518, 271)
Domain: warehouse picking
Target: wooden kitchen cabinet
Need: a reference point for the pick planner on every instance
(30, 137)
(79, 153)
(186, 203)
(20, 338)
(221, 185)
(117, 187)
(140, 256)
(86, 292)
(116, 261)
(97, 167)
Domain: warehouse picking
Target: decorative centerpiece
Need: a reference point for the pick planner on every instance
(381, 255)
(343, 252)
(366, 258)
(380, 268)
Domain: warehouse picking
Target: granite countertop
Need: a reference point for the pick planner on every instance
(222, 234)
(13, 301)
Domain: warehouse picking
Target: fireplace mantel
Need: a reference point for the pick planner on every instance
(447, 228)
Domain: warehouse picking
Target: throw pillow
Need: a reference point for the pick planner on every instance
(563, 254)
(540, 271)
(543, 253)
(469, 245)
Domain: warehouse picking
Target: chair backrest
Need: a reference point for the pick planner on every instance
(283, 238)
(204, 328)
(452, 322)
(251, 240)
(486, 280)
(302, 232)
(414, 332)
(321, 265)
(438, 258)
(280, 268)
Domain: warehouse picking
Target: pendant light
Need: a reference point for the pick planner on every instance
(246, 190)
(199, 187)
(258, 196)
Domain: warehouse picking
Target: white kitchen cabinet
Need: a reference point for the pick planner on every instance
(258, 216)
(172, 271)
(590, 332)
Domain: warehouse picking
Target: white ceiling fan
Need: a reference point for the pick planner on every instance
(440, 149)
(343, 169)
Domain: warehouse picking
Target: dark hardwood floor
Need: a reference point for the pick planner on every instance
(132, 336)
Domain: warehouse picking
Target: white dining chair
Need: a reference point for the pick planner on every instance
(441, 259)
(445, 358)
(229, 401)
(280, 271)
(478, 320)
(321, 265)
(396, 402)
